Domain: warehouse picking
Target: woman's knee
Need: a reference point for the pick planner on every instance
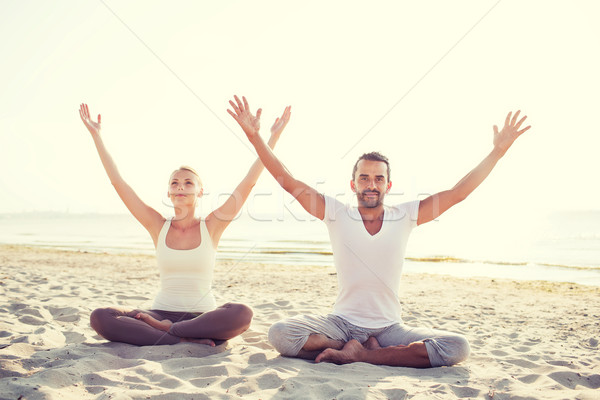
(242, 312)
(99, 318)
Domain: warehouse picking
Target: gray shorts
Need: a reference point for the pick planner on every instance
(290, 335)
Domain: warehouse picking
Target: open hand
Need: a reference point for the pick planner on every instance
(281, 122)
(510, 132)
(91, 125)
(241, 113)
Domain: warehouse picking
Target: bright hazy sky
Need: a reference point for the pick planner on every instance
(422, 82)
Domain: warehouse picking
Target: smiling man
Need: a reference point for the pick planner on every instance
(369, 243)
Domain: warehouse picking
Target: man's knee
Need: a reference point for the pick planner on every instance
(463, 349)
(460, 350)
(447, 350)
(279, 337)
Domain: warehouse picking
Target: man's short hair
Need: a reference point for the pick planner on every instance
(373, 156)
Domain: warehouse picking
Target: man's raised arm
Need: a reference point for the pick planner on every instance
(435, 205)
(308, 197)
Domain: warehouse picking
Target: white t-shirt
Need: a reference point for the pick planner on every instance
(369, 267)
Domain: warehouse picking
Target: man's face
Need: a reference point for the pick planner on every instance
(370, 183)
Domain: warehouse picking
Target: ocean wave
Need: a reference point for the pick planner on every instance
(447, 259)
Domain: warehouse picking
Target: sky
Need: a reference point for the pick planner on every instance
(422, 82)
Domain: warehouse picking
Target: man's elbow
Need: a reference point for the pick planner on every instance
(455, 196)
(459, 196)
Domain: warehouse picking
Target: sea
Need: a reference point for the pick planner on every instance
(559, 246)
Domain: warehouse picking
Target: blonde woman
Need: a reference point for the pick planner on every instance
(184, 308)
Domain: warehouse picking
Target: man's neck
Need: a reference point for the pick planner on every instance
(371, 213)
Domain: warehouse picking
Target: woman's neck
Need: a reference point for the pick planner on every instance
(184, 218)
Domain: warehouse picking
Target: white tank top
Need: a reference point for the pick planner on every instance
(185, 275)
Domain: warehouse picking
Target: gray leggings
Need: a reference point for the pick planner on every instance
(443, 348)
(222, 323)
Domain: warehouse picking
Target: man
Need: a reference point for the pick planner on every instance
(368, 244)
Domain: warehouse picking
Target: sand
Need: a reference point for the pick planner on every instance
(530, 340)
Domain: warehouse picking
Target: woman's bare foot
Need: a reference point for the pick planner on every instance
(351, 352)
(208, 342)
(371, 344)
(163, 325)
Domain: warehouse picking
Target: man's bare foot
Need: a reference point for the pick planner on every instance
(318, 342)
(208, 342)
(351, 352)
(163, 325)
(371, 344)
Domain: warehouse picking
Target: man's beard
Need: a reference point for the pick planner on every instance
(369, 202)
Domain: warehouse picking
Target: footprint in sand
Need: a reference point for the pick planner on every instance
(31, 320)
(464, 392)
(591, 343)
(529, 379)
(257, 358)
(523, 363)
(74, 337)
(572, 379)
(16, 307)
(123, 297)
(64, 314)
(269, 380)
(561, 363)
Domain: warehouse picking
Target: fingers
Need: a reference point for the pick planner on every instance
(99, 119)
(495, 129)
(523, 130)
(239, 103)
(233, 115)
(235, 108)
(82, 110)
(518, 125)
(287, 113)
(246, 103)
(514, 118)
(507, 121)
(258, 113)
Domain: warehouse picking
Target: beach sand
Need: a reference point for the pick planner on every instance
(529, 340)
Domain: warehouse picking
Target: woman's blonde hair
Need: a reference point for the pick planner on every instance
(189, 169)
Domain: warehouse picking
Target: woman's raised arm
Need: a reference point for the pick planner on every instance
(146, 215)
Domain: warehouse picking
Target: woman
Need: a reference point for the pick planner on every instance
(184, 309)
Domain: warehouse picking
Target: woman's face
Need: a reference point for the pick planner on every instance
(184, 188)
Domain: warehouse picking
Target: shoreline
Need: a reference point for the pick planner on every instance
(529, 339)
(434, 265)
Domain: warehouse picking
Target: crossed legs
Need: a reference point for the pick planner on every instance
(332, 339)
(155, 327)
